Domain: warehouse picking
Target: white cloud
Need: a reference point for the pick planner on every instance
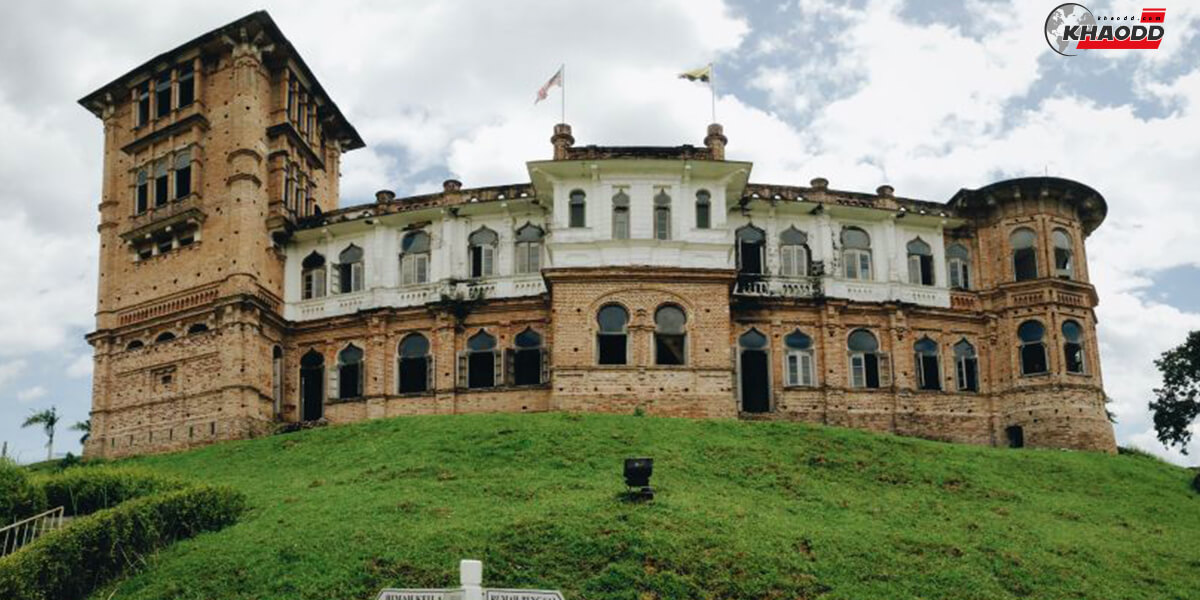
(11, 370)
(81, 366)
(31, 394)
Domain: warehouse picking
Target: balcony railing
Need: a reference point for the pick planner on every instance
(416, 295)
(777, 287)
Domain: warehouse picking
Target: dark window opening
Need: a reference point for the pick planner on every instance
(703, 210)
(527, 367)
(670, 336)
(162, 95)
(1016, 436)
(481, 370)
(414, 375)
(350, 372)
(1073, 346)
(161, 188)
(1033, 351)
(312, 386)
(928, 373)
(612, 337)
(1024, 250)
(197, 328)
(165, 336)
(577, 213)
(143, 103)
(183, 182)
(187, 85)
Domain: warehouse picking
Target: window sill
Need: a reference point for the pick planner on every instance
(1036, 375)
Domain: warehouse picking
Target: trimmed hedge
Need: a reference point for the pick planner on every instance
(19, 497)
(85, 490)
(71, 562)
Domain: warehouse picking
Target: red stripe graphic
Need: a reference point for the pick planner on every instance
(1090, 44)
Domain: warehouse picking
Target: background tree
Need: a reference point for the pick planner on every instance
(1178, 400)
(48, 419)
(84, 426)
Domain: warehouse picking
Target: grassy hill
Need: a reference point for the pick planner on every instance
(744, 510)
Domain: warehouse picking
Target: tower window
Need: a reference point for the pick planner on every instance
(793, 253)
(187, 84)
(1024, 253)
(350, 270)
(414, 258)
(750, 250)
(161, 182)
(142, 192)
(1033, 349)
(312, 275)
(612, 337)
(480, 361)
(350, 372)
(577, 212)
(662, 215)
(1072, 346)
(482, 245)
(529, 249)
(620, 216)
(703, 209)
(798, 366)
(856, 254)
(1064, 256)
(415, 374)
(920, 263)
(183, 174)
(928, 370)
(869, 368)
(670, 336)
(162, 95)
(142, 93)
(528, 363)
(966, 366)
(958, 264)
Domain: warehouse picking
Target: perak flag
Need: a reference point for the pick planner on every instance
(702, 74)
(555, 80)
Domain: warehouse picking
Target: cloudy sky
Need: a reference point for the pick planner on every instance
(927, 96)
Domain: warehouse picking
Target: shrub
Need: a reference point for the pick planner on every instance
(85, 490)
(19, 497)
(67, 564)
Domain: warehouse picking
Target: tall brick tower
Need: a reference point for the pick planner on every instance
(1035, 291)
(213, 153)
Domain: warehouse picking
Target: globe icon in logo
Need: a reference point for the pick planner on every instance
(1060, 18)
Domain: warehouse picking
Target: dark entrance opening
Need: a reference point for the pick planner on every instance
(312, 386)
(756, 396)
(528, 366)
(1016, 436)
(414, 375)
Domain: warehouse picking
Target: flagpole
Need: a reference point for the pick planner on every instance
(563, 101)
(712, 70)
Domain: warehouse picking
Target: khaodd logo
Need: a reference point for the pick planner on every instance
(1072, 27)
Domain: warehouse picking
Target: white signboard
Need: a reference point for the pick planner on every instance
(497, 594)
(420, 594)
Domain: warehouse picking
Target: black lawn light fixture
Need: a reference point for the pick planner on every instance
(637, 477)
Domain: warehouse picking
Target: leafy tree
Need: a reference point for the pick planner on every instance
(48, 419)
(86, 427)
(1178, 402)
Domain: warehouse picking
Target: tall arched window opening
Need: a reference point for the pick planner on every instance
(703, 209)
(670, 336)
(482, 245)
(312, 276)
(478, 365)
(612, 335)
(414, 258)
(662, 215)
(1024, 254)
(414, 371)
(920, 263)
(529, 249)
(958, 265)
(577, 209)
(528, 365)
(1033, 348)
(869, 368)
(1064, 255)
(1073, 346)
(966, 367)
(350, 373)
(350, 270)
(799, 367)
(751, 255)
(856, 254)
(929, 372)
(620, 215)
(793, 253)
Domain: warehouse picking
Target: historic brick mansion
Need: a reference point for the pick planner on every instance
(235, 294)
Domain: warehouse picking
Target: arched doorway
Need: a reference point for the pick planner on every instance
(754, 379)
(312, 386)
(1015, 435)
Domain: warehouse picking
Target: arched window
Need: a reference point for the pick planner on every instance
(798, 365)
(662, 215)
(929, 372)
(612, 336)
(312, 276)
(869, 368)
(750, 250)
(196, 328)
(312, 386)
(183, 174)
(966, 367)
(577, 211)
(479, 365)
(142, 192)
(958, 264)
(162, 179)
(528, 365)
(1033, 349)
(670, 336)
(1064, 255)
(529, 249)
(856, 254)
(920, 263)
(134, 345)
(482, 245)
(620, 215)
(793, 253)
(754, 372)
(415, 374)
(703, 209)
(350, 372)
(1024, 253)
(1073, 346)
(414, 258)
(164, 337)
(350, 270)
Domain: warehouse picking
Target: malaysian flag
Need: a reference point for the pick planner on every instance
(557, 79)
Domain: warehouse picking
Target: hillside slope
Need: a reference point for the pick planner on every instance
(744, 510)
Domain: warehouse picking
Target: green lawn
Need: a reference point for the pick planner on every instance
(744, 510)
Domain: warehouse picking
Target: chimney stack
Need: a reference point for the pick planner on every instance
(820, 183)
(716, 140)
(562, 140)
(383, 196)
(451, 185)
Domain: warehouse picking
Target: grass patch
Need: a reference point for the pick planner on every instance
(743, 510)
